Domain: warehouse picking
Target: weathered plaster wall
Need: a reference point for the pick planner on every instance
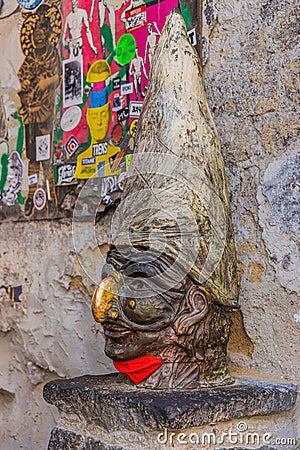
(251, 86)
(250, 73)
(49, 333)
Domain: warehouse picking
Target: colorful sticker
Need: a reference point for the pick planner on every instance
(88, 161)
(128, 161)
(71, 145)
(135, 18)
(13, 293)
(125, 49)
(133, 127)
(117, 133)
(29, 4)
(39, 199)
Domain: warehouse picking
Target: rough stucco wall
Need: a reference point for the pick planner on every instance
(50, 333)
(250, 75)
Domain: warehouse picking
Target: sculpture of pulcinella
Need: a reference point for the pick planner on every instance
(170, 280)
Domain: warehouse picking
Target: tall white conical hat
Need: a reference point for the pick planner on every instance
(176, 200)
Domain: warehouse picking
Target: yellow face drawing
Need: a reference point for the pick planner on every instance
(98, 121)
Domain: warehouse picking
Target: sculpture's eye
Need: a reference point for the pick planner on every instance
(132, 304)
(136, 286)
(144, 310)
(136, 283)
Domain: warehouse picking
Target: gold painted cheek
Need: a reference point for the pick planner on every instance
(102, 299)
(113, 314)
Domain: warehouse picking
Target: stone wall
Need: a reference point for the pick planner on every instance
(250, 74)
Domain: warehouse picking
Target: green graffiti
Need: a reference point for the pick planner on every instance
(110, 57)
(107, 37)
(58, 135)
(186, 14)
(4, 172)
(21, 199)
(20, 138)
(55, 174)
(125, 48)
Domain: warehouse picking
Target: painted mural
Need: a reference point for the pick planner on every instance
(72, 97)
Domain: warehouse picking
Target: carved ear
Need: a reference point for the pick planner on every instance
(195, 309)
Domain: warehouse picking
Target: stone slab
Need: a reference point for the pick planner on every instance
(68, 440)
(113, 403)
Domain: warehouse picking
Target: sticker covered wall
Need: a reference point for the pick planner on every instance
(80, 85)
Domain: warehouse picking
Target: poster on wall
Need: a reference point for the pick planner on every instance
(82, 77)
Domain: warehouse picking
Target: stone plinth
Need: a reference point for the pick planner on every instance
(108, 412)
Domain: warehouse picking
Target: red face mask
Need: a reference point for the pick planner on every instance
(138, 369)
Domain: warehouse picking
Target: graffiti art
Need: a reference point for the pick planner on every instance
(73, 110)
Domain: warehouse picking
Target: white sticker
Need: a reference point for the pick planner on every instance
(43, 145)
(100, 149)
(135, 18)
(135, 109)
(126, 89)
(66, 173)
(192, 36)
(70, 118)
(33, 179)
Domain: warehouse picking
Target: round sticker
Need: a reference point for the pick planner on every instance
(117, 133)
(39, 199)
(132, 128)
(70, 118)
(29, 4)
(125, 48)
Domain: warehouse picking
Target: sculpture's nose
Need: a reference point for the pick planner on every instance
(104, 300)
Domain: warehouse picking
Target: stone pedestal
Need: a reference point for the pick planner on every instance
(109, 413)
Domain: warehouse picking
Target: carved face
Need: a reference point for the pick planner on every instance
(98, 120)
(139, 316)
(135, 322)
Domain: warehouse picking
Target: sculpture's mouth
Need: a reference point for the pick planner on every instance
(115, 331)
